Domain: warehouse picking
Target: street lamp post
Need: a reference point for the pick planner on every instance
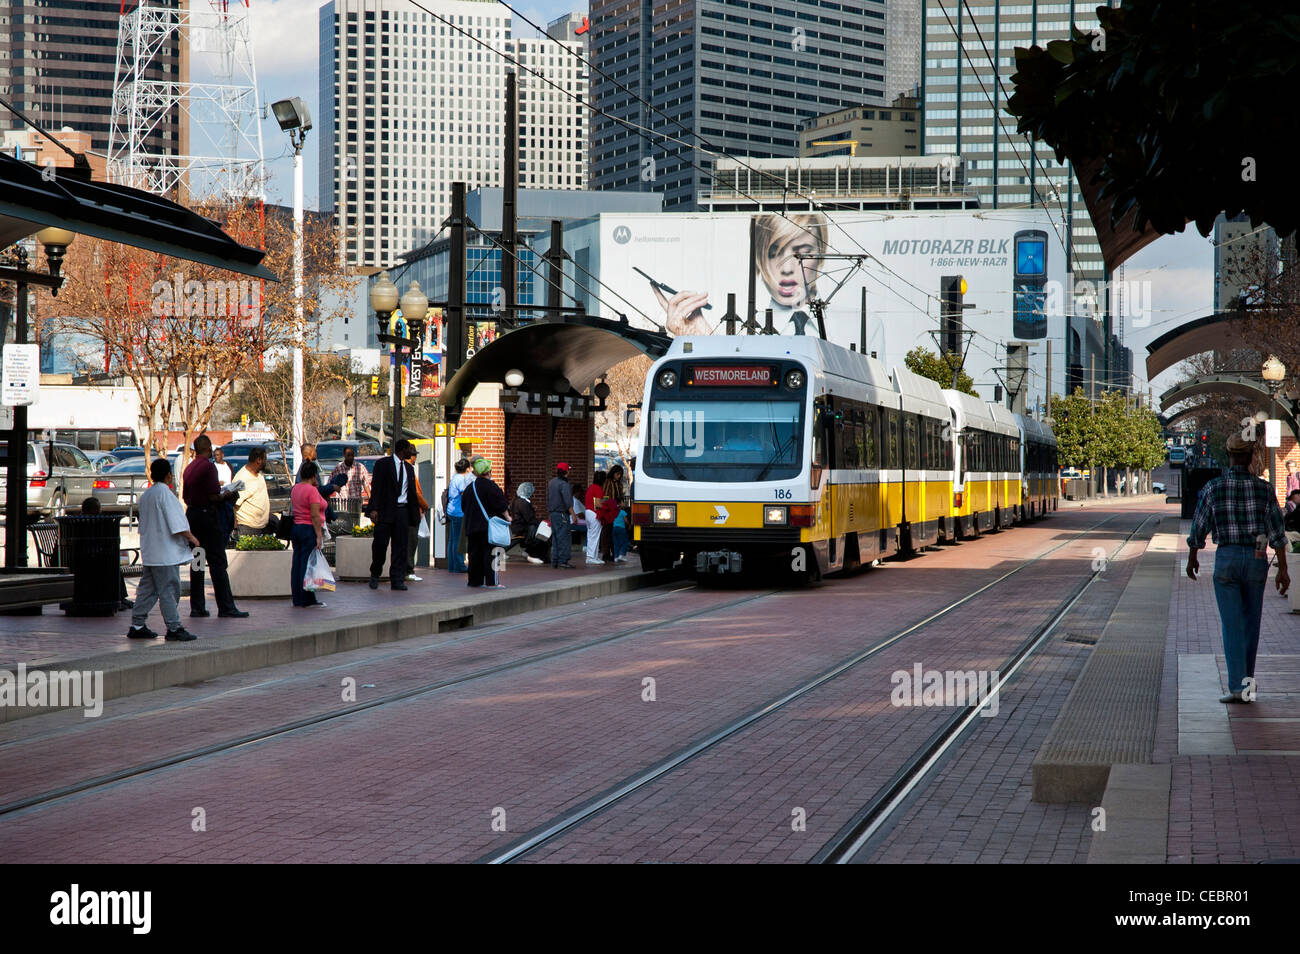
(295, 119)
(56, 242)
(1274, 373)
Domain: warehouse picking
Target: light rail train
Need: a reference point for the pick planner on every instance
(797, 455)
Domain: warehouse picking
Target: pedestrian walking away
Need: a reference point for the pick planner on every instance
(1241, 512)
(166, 542)
(393, 509)
(592, 500)
(203, 496)
(483, 499)
(559, 509)
(307, 536)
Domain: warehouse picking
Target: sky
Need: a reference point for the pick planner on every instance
(1176, 271)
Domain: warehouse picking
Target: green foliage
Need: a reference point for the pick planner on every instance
(266, 541)
(921, 360)
(1106, 433)
(1173, 108)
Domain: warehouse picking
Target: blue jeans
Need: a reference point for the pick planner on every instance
(455, 559)
(303, 537)
(619, 543)
(1240, 578)
(561, 537)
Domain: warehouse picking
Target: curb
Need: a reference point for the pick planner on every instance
(173, 664)
(1109, 718)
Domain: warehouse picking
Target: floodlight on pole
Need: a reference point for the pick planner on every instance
(295, 119)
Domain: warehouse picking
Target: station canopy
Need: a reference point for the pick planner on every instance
(70, 199)
(556, 357)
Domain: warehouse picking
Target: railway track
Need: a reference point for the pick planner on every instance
(887, 800)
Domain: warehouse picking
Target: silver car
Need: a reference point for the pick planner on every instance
(59, 477)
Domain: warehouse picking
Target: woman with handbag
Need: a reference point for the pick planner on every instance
(487, 524)
(308, 526)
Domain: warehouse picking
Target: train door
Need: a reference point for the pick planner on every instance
(832, 420)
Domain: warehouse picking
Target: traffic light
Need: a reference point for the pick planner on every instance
(374, 385)
(1205, 444)
(952, 292)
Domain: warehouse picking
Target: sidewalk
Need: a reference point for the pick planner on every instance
(1235, 786)
(277, 632)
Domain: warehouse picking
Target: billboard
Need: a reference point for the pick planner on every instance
(676, 270)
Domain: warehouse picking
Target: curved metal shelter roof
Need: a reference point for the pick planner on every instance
(572, 353)
(1223, 330)
(30, 201)
(1242, 385)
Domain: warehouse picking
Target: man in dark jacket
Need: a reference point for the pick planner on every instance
(559, 506)
(395, 511)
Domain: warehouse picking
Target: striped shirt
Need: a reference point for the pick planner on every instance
(1238, 509)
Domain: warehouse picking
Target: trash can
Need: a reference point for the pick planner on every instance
(1194, 481)
(90, 547)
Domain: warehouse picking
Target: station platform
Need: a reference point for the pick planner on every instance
(277, 632)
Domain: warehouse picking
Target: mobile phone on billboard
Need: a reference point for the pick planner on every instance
(660, 285)
(1029, 284)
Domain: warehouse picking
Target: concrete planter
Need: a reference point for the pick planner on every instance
(260, 572)
(1293, 597)
(352, 558)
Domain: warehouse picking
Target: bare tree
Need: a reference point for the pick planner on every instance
(626, 386)
(183, 332)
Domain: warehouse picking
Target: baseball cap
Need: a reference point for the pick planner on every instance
(561, 466)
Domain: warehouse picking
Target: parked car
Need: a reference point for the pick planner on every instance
(102, 460)
(123, 483)
(59, 477)
(329, 454)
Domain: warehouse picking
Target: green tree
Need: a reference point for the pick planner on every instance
(921, 360)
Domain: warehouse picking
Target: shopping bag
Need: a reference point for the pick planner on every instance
(543, 531)
(319, 576)
(423, 532)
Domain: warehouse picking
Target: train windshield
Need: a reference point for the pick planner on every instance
(726, 441)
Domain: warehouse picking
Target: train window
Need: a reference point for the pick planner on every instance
(910, 444)
(891, 441)
(870, 437)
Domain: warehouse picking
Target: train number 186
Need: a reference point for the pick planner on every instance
(783, 493)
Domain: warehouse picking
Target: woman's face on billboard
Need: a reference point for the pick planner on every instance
(787, 278)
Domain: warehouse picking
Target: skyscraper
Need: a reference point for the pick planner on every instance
(965, 96)
(411, 103)
(743, 75)
(57, 59)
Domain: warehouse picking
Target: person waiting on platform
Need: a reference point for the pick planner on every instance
(524, 524)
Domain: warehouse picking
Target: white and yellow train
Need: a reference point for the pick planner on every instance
(793, 453)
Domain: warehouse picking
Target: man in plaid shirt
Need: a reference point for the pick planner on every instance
(358, 485)
(1242, 513)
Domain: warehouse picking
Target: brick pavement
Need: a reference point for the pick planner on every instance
(1241, 806)
(828, 753)
(420, 779)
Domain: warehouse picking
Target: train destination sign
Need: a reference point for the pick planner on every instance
(725, 375)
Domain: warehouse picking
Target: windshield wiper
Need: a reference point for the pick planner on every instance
(676, 468)
(780, 450)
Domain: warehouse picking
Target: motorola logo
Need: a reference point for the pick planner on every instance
(622, 235)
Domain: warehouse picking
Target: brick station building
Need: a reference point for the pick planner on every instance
(527, 428)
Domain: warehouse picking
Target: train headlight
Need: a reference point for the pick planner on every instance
(667, 379)
(775, 516)
(665, 513)
(794, 380)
